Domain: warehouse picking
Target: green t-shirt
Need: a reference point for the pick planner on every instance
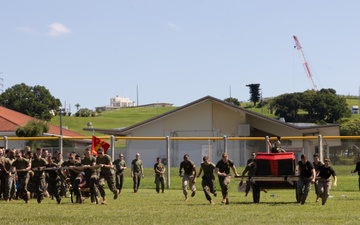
(119, 165)
(89, 161)
(41, 162)
(208, 169)
(106, 160)
(137, 165)
(21, 164)
(8, 163)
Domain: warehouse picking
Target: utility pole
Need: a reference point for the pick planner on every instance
(61, 111)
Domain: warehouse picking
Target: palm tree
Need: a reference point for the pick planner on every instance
(77, 105)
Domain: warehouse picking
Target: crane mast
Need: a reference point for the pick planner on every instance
(305, 63)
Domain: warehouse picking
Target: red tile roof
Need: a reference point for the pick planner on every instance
(10, 120)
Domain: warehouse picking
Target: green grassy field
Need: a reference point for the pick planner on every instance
(148, 207)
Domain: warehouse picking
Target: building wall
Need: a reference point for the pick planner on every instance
(211, 119)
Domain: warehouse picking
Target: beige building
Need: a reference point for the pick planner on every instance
(211, 117)
(120, 102)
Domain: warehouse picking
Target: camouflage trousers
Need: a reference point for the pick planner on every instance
(40, 187)
(188, 180)
(324, 186)
(209, 187)
(9, 186)
(224, 184)
(302, 189)
(159, 181)
(109, 178)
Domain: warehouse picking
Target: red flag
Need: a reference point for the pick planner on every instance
(97, 143)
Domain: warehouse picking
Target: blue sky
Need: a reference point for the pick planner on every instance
(177, 51)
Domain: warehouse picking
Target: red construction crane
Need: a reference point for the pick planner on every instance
(305, 64)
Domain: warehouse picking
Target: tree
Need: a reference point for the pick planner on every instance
(77, 105)
(33, 128)
(33, 101)
(287, 106)
(85, 112)
(322, 106)
(254, 92)
(233, 101)
(330, 107)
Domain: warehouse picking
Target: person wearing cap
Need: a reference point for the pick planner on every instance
(208, 179)
(120, 167)
(223, 171)
(307, 177)
(106, 173)
(324, 175)
(317, 163)
(159, 169)
(137, 171)
(189, 177)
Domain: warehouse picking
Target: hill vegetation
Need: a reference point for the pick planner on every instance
(129, 116)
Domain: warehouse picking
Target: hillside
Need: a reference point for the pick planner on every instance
(111, 119)
(128, 116)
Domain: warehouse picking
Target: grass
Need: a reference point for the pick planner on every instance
(111, 119)
(148, 207)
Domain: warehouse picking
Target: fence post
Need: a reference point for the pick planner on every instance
(61, 144)
(225, 143)
(6, 142)
(168, 162)
(112, 146)
(321, 149)
(267, 140)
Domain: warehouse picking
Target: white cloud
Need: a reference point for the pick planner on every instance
(57, 29)
(173, 26)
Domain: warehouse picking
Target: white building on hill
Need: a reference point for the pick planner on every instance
(120, 102)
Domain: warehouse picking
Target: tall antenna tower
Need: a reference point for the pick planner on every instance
(305, 63)
(1, 84)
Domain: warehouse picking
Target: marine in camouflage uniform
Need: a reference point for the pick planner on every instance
(75, 176)
(137, 172)
(159, 169)
(2, 158)
(307, 177)
(208, 179)
(22, 167)
(189, 176)
(324, 185)
(91, 175)
(37, 165)
(223, 171)
(53, 179)
(316, 164)
(9, 176)
(106, 173)
(120, 167)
